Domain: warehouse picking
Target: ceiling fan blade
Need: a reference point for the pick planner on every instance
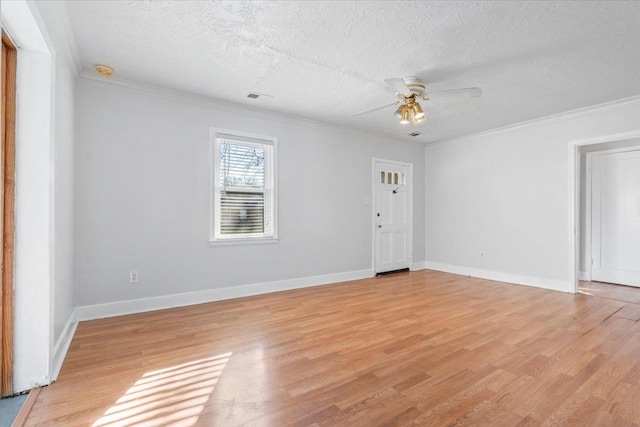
(399, 86)
(468, 92)
(371, 110)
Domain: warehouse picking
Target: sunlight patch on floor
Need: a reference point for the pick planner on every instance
(170, 396)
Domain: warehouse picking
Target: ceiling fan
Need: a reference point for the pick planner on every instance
(409, 90)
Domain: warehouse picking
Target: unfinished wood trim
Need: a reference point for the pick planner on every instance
(23, 414)
(9, 56)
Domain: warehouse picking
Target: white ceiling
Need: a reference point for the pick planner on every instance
(326, 60)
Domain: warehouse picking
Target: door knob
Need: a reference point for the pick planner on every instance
(379, 226)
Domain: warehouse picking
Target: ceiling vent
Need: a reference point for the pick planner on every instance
(253, 95)
(415, 134)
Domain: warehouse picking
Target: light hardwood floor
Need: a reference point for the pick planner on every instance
(422, 348)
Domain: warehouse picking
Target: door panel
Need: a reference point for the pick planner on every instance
(401, 246)
(393, 217)
(616, 218)
(386, 254)
(385, 207)
(400, 207)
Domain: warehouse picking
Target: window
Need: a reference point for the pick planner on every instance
(394, 178)
(244, 197)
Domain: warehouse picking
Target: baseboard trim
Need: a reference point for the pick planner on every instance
(420, 265)
(499, 276)
(583, 275)
(120, 308)
(62, 345)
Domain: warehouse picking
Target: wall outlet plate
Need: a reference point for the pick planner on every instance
(134, 277)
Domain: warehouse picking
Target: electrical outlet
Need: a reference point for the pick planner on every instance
(483, 254)
(134, 277)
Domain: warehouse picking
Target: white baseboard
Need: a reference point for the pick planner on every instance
(62, 345)
(499, 276)
(420, 265)
(119, 308)
(583, 275)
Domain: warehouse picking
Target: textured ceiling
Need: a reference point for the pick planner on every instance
(326, 60)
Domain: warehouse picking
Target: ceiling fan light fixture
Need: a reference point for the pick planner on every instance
(411, 89)
(418, 114)
(405, 117)
(400, 110)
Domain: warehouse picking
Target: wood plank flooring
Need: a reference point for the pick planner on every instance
(415, 349)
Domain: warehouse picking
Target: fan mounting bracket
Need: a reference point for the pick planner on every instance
(415, 85)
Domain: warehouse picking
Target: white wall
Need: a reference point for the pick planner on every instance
(55, 21)
(32, 280)
(32, 333)
(507, 193)
(142, 183)
(44, 194)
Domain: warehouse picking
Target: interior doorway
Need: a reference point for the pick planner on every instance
(393, 215)
(614, 216)
(599, 213)
(7, 202)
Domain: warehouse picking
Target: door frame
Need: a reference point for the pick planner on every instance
(574, 198)
(7, 220)
(375, 160)
(34, 305)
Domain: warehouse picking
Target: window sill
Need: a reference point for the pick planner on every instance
(242, 242)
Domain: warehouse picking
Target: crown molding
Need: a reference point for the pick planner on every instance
(543, 121)
(216, 104)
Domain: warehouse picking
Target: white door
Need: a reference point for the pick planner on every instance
(392, 216)
(615, 217)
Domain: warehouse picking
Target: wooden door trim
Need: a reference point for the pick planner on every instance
(9, 60)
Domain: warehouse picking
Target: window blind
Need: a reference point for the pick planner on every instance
(241, 165)
(241, 213)
(244, 192)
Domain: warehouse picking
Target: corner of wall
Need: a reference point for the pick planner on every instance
(418, 265)
(62, 345)
(59, 33)
(583, 275)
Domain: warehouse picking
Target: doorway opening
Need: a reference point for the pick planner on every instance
(604, 209)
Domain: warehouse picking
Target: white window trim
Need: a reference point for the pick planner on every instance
(214, 160)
